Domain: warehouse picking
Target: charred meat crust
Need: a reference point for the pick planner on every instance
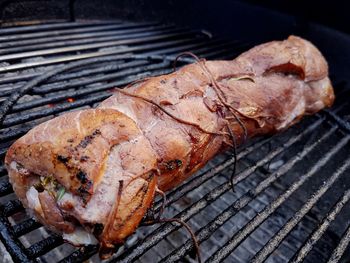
(85, 191)
(171, 165)
(98, 229)
(88, 139)
(63, 159)
(82, 177)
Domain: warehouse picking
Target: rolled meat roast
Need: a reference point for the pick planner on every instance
(92, 174)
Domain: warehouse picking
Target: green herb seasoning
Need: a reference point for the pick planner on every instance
(60, 193)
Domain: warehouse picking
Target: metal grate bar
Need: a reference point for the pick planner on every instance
(11, 207)
(81, 254)
(262, 216)
(175, 51)
(87, 41)
(72, 31)
(277, 239)
(59, 108)
(343, 244)
(25, 227)
(164, 230)
(43, 246)
(80, 73)
(146, 66)
(76, 93)
(12, 134)
(12, 79)
(228, 52)
(20, 118)
(133, 68)
(344, 124)
(233, 49)
(44, 27)
(76, 82)
(13, 245)
(3, 152)
(5, 188)
(240, 203)
(56, 51)
(109, 66)
(304, 251)
(116, 30)
(93, 55)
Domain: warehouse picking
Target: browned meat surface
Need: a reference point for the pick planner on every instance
(96, 171)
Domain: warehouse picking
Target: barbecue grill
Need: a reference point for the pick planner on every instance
(290, 200)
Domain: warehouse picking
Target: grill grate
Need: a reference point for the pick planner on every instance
(291, 196)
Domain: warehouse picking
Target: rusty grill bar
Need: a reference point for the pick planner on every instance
(291, 191)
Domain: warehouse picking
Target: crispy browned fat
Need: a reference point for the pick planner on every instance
(92, 174)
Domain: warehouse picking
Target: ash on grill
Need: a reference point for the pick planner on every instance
(291, 191)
